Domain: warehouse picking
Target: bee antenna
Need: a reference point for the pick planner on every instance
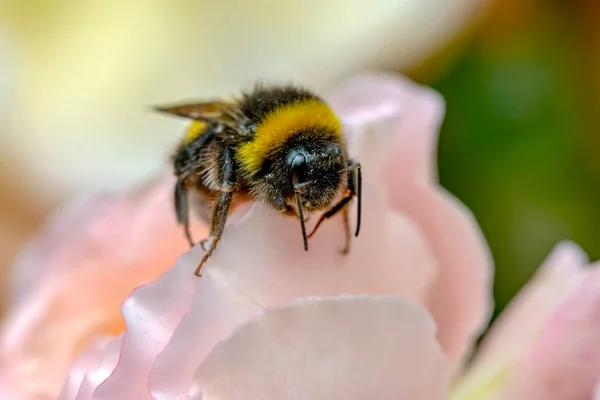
(301, 215)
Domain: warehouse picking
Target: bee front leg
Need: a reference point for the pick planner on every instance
(219, 219)
(221, 207)
(340, 206)
(354, 189)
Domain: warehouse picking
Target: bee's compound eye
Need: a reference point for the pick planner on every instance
(298, 169)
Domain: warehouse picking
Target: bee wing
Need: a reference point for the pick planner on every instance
(203, 111)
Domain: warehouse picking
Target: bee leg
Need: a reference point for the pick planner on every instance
(347, 233)
(355, 186)
(182, 209)
(221, 208)
(354, 173)
(291, 211)
(340, 206)
(219, 218)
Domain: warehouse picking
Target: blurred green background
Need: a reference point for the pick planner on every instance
(521, 79)
(521, 137)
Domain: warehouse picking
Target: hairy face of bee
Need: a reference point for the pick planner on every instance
(310, 168)
(316, 177)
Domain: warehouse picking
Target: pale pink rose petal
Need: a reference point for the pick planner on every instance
(88, 361)
(152, 313)
(34, 266)
(348, 347)
(245, 282)
(522, 321)
(389, 258)
(5, 394)
(261, 263)
(597, 392)
(85, 265)
(461, 300)
(88, 225)
(239, 281)
(92, 367)
(108, 362)
(565, 362)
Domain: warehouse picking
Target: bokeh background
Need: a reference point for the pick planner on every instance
(521, 79)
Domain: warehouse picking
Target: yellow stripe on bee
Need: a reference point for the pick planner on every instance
(194, 130)
(282, 123)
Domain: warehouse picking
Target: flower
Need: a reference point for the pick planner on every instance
(394, 319)
(408, 300)
(69, 284)
(545, 344)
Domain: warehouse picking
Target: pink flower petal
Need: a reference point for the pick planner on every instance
(389, 259)
(92, 367)
(461, 299)
(35, 266)
(516, 331)
(84, 267)
(565, 362)
(238, 281)
(526, 316)
(5, 394)
(152, 313)
(349, 347)
(108, 362)
(87, 361)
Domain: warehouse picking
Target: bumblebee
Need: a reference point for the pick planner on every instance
(280, 144)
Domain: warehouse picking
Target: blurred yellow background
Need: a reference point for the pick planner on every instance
(521, 78)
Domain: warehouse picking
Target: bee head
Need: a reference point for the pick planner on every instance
(308, 172)
(308, 168)
(314, 175)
